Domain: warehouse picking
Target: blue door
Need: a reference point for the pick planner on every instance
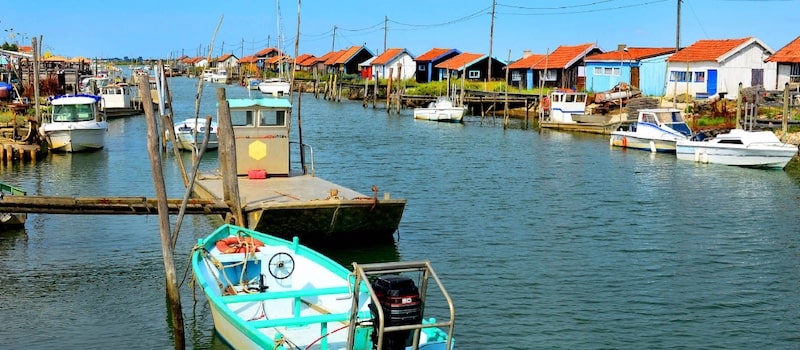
(711, 82)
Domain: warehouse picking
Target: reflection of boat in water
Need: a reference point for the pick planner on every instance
(655, 130)
(753, 149)
(566, 110)
(290, 202)
(264, 291)
(76, 124)
(11, 220)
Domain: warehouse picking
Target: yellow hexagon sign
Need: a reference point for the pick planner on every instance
(257, 150)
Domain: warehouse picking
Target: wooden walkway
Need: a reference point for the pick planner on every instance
(106, 205)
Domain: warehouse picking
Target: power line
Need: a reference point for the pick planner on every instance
(576, 11)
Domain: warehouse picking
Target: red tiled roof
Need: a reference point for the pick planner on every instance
(387, 56)
(275, 59)
(432, 54)
(707, 50)
(788, 54)
(306, 60)
(266, 51)
(332, 57)
(461, 60)
(631, 54)
(348, 54)
(562, 56)
(526, 62)
(248, 59)
(225, 57)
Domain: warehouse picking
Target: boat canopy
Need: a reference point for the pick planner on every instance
(262, 102)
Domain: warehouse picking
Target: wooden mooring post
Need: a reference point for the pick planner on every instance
(173, 292)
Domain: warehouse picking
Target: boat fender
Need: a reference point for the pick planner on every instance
(236, 244)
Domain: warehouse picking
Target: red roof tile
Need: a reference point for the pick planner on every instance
(266, 51)
(306, 60)
(563, 56)
(526, 62)
(461, 60)
(387, 56)
(707, 50)
(631, 54)
(432, 54)
(248, 59)
(334, 56)
(788, 54)
(276, 59)
(348, 54)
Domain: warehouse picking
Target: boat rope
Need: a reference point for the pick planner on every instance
(325, 335)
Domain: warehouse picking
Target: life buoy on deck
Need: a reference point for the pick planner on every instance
(545, 103)
(237, 244)
(624, 141)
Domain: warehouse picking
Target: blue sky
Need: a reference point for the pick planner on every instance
(170, 28)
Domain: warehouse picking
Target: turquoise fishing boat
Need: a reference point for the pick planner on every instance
(265, 292)
(11, 220)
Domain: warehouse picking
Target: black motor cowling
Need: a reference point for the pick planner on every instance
(401, 305)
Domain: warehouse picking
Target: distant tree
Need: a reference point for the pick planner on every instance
(10, 47)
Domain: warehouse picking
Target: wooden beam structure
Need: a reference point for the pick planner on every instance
(106, 205)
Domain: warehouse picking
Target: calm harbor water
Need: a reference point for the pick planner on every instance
(544, 240)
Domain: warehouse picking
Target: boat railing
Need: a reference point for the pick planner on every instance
(362, 273)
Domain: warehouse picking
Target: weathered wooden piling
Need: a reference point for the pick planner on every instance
(227, 157)
(173, 294)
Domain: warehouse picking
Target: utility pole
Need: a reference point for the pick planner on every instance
(678, 29)
(333, 42)
(491, 36)
(385, 30)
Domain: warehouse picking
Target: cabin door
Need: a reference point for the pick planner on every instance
(635, 76)
(711, 82)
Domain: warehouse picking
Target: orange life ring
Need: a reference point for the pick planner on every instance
(237, 244)
(624, 141)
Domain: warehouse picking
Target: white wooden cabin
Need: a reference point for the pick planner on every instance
(710, 67)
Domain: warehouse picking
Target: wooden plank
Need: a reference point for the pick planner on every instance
(106, 205)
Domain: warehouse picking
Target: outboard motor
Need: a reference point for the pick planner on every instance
(399, 299)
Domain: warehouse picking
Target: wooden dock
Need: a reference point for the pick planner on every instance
(106, 205)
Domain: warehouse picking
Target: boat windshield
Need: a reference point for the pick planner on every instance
(72, 113)
(675, 121)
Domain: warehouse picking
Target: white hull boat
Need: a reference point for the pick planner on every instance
(275, 87)
(190, 133)
(75, 124)
(655, 130)
(265, 292)
(442, 110)
(753, 149)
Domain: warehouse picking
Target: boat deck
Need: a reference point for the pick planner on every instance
(276, 190)
(316, 210)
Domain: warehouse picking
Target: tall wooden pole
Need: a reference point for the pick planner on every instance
(173, 294)
(491, 36)
(227, 152)
(678, 29)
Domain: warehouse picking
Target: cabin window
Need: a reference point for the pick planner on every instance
(421, 67)
(516, 76)
(474, 74)
(649, 118)
(598, 70)
(679, 76)
(700, 77)
(794, 73)
(569, 98)
(580, 98)
(241, 118)
(550, 75)
(273, 118)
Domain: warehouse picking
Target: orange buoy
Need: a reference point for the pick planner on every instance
(238, 244)
(624, 141)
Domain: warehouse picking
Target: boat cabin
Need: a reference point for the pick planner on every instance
(565, 104)
(261, 129)
(664, 117)
(75, 108)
